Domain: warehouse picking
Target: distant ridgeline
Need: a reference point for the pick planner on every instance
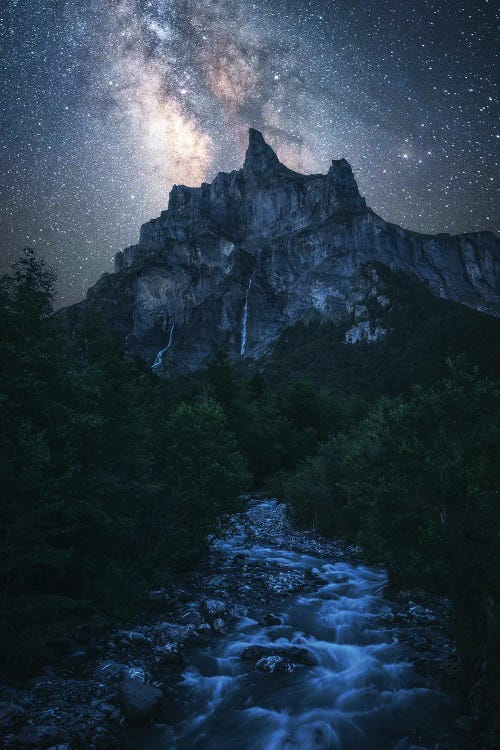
(244, 263)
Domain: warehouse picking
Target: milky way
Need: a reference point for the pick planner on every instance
(106, 104)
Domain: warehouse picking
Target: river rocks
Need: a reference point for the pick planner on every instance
(212, 609)
(294, 654)
(138, 700)
(286, 582)
(219, 625)
(110, 671)
(192, 617)
(38, 736)
(277, 664)
(90, 706)
(272, 620)
(173, 632)
(168, 653)
(10, 713)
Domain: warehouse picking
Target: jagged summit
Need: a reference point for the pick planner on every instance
(230, 264)
(264, 198)
(260, 157)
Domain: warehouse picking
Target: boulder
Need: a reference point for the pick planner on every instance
(168, 654)
(41, 736)
(278, 664)
(271, 619)
(295, 654)
(9, 713)
(219, 626)
(212, 609)
(138, 700)
(191, 617)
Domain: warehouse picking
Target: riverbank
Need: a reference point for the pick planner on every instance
(283, 640)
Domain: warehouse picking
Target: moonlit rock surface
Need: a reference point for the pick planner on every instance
(302, 240)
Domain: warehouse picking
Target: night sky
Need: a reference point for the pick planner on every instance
(105, 104)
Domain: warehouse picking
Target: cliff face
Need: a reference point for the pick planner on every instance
(232, 263)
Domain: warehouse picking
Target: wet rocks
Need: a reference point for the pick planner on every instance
(212, 609)
(38, 736)
(192, 617)
(271, 620)
(91, 705)
(10, 713)
(219, 626)
(277, 664)
(173, 631)
(169, 653)
(286, 582)
(293, 654)
(138, 700)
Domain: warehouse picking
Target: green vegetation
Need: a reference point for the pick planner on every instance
(415, 483)
(112, 479)
(99, 493)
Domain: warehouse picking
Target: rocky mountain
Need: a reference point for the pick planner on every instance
(231, 264)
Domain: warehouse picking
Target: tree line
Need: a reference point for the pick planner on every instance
(112, 479)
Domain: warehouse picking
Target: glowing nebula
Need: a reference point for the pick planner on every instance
(107, 103)
(172, 144)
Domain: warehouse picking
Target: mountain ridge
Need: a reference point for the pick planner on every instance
(257, 249)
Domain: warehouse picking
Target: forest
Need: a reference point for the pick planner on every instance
(112, 479)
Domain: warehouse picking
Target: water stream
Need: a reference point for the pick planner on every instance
(326, 674)
(245, 320)
(159, 357)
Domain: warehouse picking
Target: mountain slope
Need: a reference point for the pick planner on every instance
(233, 263)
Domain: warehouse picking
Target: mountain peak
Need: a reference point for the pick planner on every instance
(260, 157)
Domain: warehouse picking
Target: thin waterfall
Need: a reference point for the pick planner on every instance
(245, 320)
(159, 357)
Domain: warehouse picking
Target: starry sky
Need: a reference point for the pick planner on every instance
(105, 104)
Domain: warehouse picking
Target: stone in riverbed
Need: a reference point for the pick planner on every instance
(168, 654)
(191, 617)
(295, 654)
(138, 700)
(219, 625)
(277, 664)
(271, 620)
(212, 609)
(9, 713)
(42, 736)
(171, 632)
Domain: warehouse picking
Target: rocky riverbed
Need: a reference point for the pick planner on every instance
(285, 640)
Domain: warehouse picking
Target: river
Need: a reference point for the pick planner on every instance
(318, 665)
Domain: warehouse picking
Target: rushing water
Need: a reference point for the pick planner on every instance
(361, 692)
(159, 357)
(244, 322)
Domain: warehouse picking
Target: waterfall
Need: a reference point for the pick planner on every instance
(159, 357)
(245, 320)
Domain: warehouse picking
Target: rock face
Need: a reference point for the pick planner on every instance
(230, 264)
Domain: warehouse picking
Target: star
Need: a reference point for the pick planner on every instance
(106, 105)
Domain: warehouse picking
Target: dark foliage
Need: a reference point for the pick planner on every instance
(416, 484)
(111, 478)
(98, 491)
